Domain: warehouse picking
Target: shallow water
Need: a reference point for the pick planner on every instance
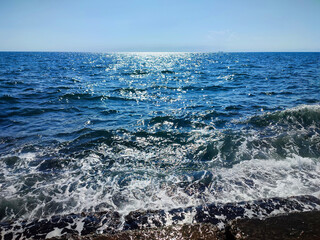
(86, 132)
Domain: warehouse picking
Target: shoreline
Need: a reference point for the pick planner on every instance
(297, 225)
(211, 221)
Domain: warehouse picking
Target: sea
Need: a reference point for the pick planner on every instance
(123, 132)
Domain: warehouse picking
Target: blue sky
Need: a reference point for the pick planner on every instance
(166, 25)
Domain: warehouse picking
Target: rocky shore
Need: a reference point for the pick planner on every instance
(303, 225)
(274, 218)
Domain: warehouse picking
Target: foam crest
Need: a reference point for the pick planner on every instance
(256, 179)
(298, 117)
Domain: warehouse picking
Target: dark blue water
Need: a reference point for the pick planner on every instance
(84, 132)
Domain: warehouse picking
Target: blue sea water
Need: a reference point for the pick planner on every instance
(86, 132)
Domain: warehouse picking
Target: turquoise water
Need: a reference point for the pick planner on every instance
(86, 132)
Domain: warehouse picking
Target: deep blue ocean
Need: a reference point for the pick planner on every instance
(91, 132)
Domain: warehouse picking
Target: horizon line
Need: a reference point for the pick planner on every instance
(133, 52)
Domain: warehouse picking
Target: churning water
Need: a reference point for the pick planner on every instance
(85, 132)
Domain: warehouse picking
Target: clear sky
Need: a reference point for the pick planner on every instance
(159, 25)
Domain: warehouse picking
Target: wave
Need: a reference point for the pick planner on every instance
(277, 93)
(302, 116)
(208, 88)
(25, 112)
(234, 107)
(109, 112)
(82, 96)
(167, 72)
(185, 88)
(93, 97)
(208, 115)
(129, 90)
(276, 135)
(145, 72)
(136, 72)
(8, 99)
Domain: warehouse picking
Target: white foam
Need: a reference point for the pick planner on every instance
(86, 187)
(56, 232)
(256, 179)
(79, 224)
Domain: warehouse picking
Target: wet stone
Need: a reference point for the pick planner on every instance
(304, 225)
(87, 224)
